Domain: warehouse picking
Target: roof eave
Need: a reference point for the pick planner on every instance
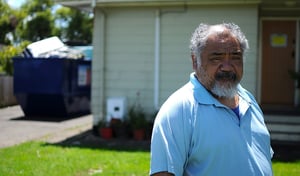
(146, 3)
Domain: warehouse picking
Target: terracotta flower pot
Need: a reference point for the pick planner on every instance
(139, 134)
(106, 133)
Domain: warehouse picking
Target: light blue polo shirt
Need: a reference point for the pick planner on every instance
(194, 134)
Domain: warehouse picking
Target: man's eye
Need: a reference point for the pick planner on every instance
(215, 59)
(236, 58)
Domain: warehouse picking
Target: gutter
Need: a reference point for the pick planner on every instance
(154, 3)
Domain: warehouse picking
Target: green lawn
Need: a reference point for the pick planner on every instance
(38, 159)
(286, 168)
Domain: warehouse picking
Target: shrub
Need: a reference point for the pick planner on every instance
(6, 55)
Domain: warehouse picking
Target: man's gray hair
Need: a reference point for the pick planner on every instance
(199, 37)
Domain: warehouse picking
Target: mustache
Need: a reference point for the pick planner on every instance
(230, 76)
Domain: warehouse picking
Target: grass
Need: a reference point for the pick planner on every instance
(39, 159)
(286, 168)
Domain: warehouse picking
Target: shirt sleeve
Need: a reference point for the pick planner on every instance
(170, 140)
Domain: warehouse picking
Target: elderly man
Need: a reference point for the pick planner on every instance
(212, 125)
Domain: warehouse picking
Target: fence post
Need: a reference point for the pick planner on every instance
(6, 91)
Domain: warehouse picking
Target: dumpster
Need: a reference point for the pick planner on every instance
(56, 87)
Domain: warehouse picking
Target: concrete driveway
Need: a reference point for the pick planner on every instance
(16, 129)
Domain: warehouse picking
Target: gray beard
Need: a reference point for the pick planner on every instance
(224, 91)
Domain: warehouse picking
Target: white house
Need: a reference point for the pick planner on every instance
(143, 46)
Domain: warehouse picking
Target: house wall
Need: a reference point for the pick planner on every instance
(130, 54)
(123, 62)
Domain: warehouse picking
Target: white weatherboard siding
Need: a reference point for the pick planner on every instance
(129, 64)
(129, 46)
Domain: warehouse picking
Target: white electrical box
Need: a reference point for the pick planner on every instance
(116, 108)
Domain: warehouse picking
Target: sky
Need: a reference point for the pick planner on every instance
(15, 3)
(18, 3)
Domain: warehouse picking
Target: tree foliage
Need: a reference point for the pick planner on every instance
(8, 21)
(80, 25)
(37, 28)
(36, 20)
(34, 6)
(6, 55)
(38, 23)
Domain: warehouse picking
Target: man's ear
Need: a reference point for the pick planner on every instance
(194, 61)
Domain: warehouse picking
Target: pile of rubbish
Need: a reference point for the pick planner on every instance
(51, 47)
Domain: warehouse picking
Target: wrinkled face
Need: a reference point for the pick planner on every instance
(221, 67)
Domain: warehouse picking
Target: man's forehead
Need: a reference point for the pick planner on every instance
(222, 40)
(223, 43)
(217, 29)
(220, 33)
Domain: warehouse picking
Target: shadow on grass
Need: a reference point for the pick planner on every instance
(89, 139)
(286, 152)
(283, 152)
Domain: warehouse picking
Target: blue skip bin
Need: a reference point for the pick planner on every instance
(54, 87)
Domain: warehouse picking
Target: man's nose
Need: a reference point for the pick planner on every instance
(226, 65)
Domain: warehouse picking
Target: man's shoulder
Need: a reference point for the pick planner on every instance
(182, 97)
(185, 93)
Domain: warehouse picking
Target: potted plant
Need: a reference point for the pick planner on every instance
(119, 128)
(105, 131)
(138, 122)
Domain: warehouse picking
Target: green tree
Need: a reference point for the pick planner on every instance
(38, 28)
(78, 25)
(36, 20)
(6, 55)
(8, 21)
(38, 23)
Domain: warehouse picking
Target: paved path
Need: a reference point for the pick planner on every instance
(15, 128)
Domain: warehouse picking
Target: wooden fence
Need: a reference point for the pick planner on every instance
(6, 91)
